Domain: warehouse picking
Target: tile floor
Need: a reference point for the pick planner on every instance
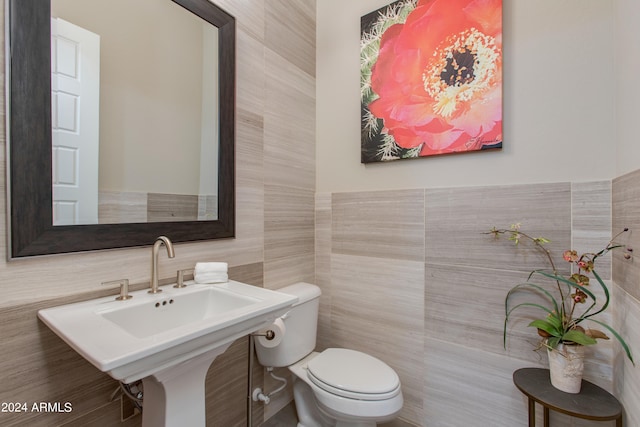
(287, 418)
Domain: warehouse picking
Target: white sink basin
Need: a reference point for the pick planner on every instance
(135, 338)
(156, 317)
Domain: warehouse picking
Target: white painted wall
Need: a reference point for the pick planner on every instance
(627, 60)
(151, 76)
(559, 100)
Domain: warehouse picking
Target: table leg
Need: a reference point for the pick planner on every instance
(546, 417)
(619, 421)
(532, 413)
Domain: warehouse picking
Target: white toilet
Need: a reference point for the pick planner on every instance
(337, 387)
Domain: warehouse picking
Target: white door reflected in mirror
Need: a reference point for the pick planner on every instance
(75, 106)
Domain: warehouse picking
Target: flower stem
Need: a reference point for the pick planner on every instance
(515, 235)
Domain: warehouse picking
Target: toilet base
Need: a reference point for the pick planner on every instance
(313, 412)
(309, 414)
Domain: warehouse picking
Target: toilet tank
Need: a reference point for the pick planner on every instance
(301, 324)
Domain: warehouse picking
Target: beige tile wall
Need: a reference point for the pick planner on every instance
(377, 275)
(118, 207)
(323, 220)
(412, 279)
(626, 213)
(626, 273)
(275, 186)
(289, 152)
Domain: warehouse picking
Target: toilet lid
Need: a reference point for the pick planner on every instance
(353, 374)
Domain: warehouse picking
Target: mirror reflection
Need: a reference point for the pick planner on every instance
(31, 96)
(134, 113)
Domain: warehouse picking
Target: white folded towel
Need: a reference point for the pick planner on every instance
(211, 272)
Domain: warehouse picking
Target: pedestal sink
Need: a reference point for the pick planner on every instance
(168, 339)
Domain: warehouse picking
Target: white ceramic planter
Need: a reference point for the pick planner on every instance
(566, 364)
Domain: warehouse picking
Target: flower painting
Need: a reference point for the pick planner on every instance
(431, 78)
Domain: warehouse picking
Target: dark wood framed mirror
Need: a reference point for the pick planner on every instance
(29, 136)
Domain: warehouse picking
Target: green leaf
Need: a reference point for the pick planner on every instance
(524, 286)
(578, 337)
(553, 342)
(606, 295)
(546, 326)
(508, 313)
(618, 337)
(566, 281)
(554, 320)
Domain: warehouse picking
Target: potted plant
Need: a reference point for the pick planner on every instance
(571, 303)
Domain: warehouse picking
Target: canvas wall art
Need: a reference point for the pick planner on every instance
(430, 79)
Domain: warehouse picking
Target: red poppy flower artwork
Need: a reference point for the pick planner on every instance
(431, 78)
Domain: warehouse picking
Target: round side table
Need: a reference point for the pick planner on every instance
(592, 403)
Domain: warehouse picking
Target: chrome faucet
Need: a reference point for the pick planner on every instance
(154, 261)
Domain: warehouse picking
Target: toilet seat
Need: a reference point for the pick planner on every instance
(353, 375)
